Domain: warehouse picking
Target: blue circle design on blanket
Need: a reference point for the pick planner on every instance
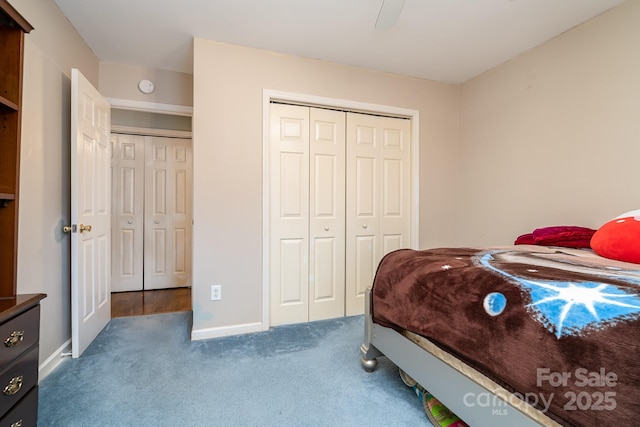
(568, 308)
(494, 303)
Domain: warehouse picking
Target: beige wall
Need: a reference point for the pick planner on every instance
(51, 50)
(548, 138)
(56, 39)
(228, 142)
(120, 81)
(552, 137)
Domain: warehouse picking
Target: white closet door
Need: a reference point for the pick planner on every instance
(378, 198)
(327, 209)
(289, 214)
(167, 253)
(339, 201)
(127, 219)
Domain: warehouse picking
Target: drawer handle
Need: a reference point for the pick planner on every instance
(13, 387)
(14, 339)
(17, 424)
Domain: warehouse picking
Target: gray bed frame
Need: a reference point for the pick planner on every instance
(441, 380)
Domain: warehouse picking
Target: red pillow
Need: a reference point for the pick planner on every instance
(619, 238)
(570, 236)
(525, 239)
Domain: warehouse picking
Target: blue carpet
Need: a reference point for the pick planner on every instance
(145, 371)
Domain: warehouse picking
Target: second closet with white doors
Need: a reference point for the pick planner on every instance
(151, 212)
(339, 200)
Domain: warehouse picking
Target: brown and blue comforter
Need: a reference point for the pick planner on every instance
(559, 328)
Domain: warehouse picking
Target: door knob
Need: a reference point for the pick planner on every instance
(326, 228)
(67, 229)
(84, 228)
(364, 226)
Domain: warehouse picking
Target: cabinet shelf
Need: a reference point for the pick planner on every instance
(5, 198)
(8, 105)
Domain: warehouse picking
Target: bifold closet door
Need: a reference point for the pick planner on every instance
(307, 157)
(378, 185)
(127, 216)
(167, 236)
(151, 212)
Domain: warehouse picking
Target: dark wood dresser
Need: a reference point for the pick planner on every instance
(20, 333)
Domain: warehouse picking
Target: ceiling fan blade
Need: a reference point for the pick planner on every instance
(389, 13)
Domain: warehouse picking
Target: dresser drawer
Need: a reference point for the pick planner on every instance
(19, 334)
(25, 413)
(18, 378)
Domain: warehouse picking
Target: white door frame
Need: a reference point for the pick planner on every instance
(269, 95)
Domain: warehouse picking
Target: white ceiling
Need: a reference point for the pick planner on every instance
(443, 40)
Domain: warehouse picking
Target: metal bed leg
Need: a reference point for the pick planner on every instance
(367, 350)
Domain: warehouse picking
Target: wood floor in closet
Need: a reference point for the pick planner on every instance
(124, 304)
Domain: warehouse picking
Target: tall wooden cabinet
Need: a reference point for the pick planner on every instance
(12, 29)
(19, 314)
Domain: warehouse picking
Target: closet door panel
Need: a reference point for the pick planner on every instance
(325, 286)
(392, 242)
(180, 261)
(293, 231)
(127, 218)
(327, 207)
(365, 263)
(181, 216)
(392, 188)
(293, 170)
(289, 214)
(158, 265)
(292, 284)
(392, 207)
(167, 253)
(324, 185)
(365, 194)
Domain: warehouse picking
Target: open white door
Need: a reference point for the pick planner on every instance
(90, 213)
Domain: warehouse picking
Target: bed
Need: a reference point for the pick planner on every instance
(512, 336)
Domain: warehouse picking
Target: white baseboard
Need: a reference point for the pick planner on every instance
(225, 331)
(52, 361)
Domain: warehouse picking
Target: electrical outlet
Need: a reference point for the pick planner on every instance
(216, 293)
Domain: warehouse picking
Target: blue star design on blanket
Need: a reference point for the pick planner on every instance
(568, 308)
